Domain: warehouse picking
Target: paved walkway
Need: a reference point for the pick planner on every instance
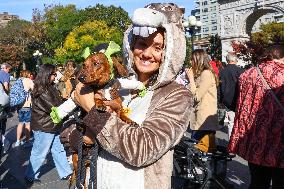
(14, 164)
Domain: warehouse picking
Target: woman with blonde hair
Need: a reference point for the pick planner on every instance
(24, 113)
(203, 85)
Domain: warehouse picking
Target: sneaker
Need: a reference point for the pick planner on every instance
(67, 177)
(69, 159)
(32, 180)
(6, 146)
(18, 143)
(28, 144)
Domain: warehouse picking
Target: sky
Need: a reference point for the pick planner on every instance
(23, 8)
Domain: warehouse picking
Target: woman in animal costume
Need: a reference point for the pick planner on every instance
(141, 156)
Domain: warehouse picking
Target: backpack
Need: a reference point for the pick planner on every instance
(18, 94)
(4, 101)
(4, 98)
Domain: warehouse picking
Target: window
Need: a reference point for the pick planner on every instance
(213, 21)
(206, 29)
(205, 10)
(214, 28)
(213, 8)
(204, 17)
(204, 3)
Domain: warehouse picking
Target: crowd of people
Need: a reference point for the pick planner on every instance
(142, 154)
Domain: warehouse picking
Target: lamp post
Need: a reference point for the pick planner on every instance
(191, 25)
(37, 56)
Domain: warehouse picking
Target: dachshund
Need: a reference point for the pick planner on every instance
(96, 72)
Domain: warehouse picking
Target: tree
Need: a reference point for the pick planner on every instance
(252, 51)
(270, 33)
(15, 40)
(111, 15)
(58, 21)
(89, 34)
(215, 48)
(11, 54)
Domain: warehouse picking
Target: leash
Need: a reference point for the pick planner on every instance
(91, 157)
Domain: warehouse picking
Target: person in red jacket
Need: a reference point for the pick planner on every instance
(258, 131)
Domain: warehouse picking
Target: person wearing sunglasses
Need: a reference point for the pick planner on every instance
(46, 133)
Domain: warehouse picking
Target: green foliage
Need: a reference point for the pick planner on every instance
(215, 48)
(188, 52)
(16, 39)
(272, 33)
(252, 51)
(49, 29)
(89, 34)
(112, 16)
(59, 20)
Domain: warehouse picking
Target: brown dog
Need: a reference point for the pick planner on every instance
(96, 72)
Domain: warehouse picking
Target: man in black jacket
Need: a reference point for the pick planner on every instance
(228, 88)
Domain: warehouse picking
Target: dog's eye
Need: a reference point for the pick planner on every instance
(97, 64)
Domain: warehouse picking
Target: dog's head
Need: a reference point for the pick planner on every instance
(96, 70)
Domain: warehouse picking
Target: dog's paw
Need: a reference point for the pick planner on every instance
(101, 107)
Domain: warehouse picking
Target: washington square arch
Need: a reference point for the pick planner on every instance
(239, 16)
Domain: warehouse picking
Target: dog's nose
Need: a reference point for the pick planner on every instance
(81, 78)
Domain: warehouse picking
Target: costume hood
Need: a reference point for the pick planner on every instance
(169, 17)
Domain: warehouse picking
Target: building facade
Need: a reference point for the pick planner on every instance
(207, 11)
(210, 12)
(240, 18)
(5, 17)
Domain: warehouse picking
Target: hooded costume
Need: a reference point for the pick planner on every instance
(141, 157)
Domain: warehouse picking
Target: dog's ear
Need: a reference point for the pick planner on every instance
(120, 69)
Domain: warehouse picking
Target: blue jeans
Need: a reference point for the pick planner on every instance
(42, 143)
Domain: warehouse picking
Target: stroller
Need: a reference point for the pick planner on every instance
(197, 169)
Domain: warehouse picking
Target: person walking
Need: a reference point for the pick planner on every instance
(24, 113)
(228, 88)
(203, 84)
(46, 133)
(142, 154)
(258, 131)
(5, 82)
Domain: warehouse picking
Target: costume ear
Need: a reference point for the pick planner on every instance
(121, 70)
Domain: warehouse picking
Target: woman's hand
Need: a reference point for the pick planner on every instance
(112, 105)
(189, 73)
(84, 96)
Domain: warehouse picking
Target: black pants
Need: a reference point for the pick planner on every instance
(261, 177)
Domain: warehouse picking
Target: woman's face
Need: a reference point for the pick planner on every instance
(52, 76)
(148, 53)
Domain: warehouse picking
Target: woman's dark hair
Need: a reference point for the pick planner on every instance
(42, 81)
(273, 52)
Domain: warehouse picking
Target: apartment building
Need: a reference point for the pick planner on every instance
(271, 17)
(5, 17)
(207, 12)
